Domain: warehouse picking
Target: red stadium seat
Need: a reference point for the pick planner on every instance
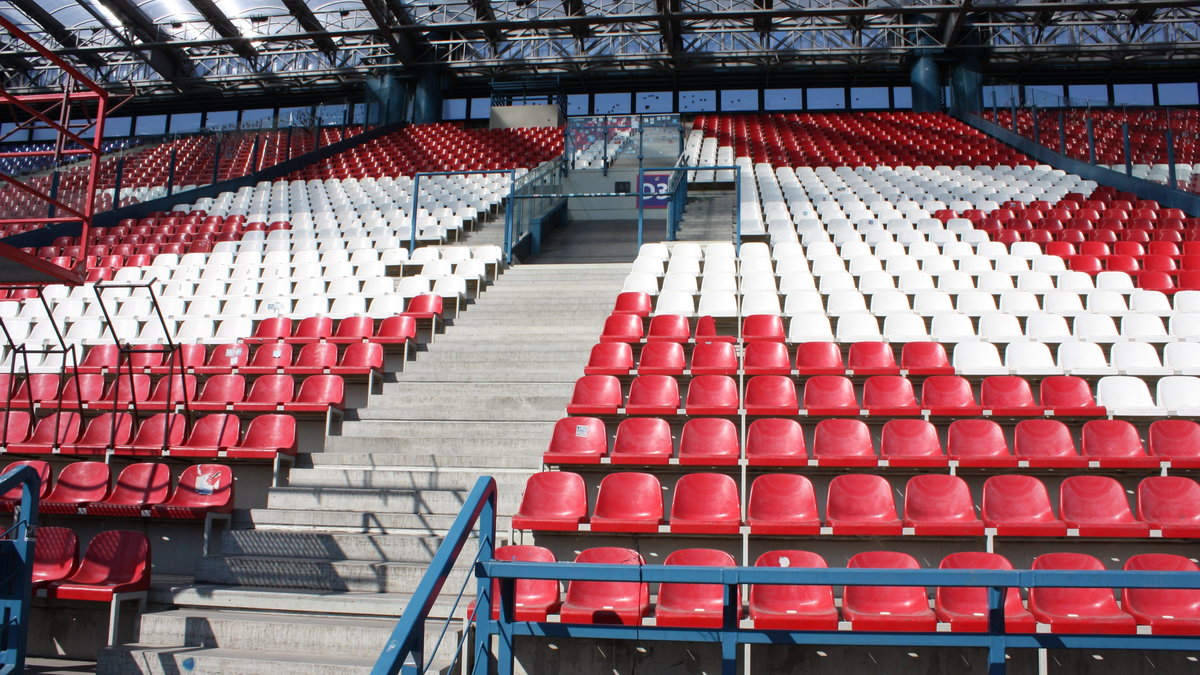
(1045, 443)
(908, 442)
(872, 358)
(1115, 444)
(553, 500)
(271, 329)
(889, 396)
(137, 487)
(266, 437)
(534, 599)
(209, 436)
(925, 358)
(12, 498)
(659, 358)
(819, 358)
(50, 433)
(115, 561)
(669, 328)
(978, 443)
(709, 441)
(1097, 507)
(771, 394)
(653, 395)
(861, 504)
(943, 395)
(792, 607)
(633, 302)
(1077, 610)
(202, 489)
(55, 555)
(1170, 504)
(79, 484)
(782, 503)
(1174, 611)
(940, 505)
(763, 328)
(318, 394)
(628, 502)
(829, 395)
(314, 359)
(694, 605)
(607, 602)
(268, 359)
(714, 358)
(102, 433)
(705, 503)
(577, 440)
(766, 358)
(595, 395)
(1019, 506)
(1176, 440)
(965, 608)
(609, 358)
(711, 395)
(1008, 396)
(642, 440)
(887, 608)
(156, 435)
(312, 329)
(843, 442)
(1069, 396)
(775, 442)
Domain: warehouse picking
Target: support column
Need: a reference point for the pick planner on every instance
(926, 80)
(967, 84)
(427, 97)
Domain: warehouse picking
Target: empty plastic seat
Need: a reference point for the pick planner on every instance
(711, 395)
(533, 599)
(887, 608)
(771, 395)
(792, 607)
(607, 602)
(1170, 504)
(1045, 443)
(633, 302)
(1174, 611)
(50, 433)
(861, 504)
(1177, 441)
(137, 487)
(1069, 396)
(694, 605)
(762, 328)
(11, 499)
(766, 358)
(1019, 506)
(78, 484)
(889, 395)
(1077, 610)
(1114, 443)
(202, 489)
(628, 502)
(829, 395)
(775, 442)
(657, 358)
(156, 435)
(102, 433)
(925, 358)
(268, 393)
(908, 442)
(269, 358)
(709, 441)
(642, 440)
(938, 504)
(55, 554)
(652, 395)
(577, 440)
(266, 437)
(115, 561)
(553, 500)
(705, 503)
(949, 395)
(1126, 395)
(872, 358)
(622, 328)
(1008, 395)
(843, 442)
(595, 395)
(668, 328)
(966, 608)
(1097, 507)
(819, 358)
(1179, 395)
(782, 503)
(714, 358)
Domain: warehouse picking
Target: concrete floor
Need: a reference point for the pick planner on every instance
(593, 242)
(57, 667)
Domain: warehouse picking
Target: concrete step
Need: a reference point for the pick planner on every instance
(274, 599)
(402, 478)
(425, 412)
(466, 393)
(324, 575)
(381, 432)
(128, 659)
(452, 453)
(316, 545)
(487, 374)
(421, 524)
(378, 500)
(290, 632)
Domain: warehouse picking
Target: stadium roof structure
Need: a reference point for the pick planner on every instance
(173, 49)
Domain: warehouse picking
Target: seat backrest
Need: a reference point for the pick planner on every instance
(775, 437)
(220, 430)
(1175, 438)
(55, 553)
(160, 429)
(274, 432)
(82, 482)
(1005, 391)
(706, 496)
(554, 494)
(909, 438)
(947, 391)
(228, 356)
(1093, 499)
(888, 391)
(174, 389)
(973, 601)
(629, 495)
(142, 484)
(1169, 500)
(859, 497)
(696, 597)
(643, 436)
(272, 390)
(608, 593)
(43, 471)
(127, 388)
(272, 355)
(654, 390)
(1043, 438)
(917, 355)
(938, 498)
(819, 357)
(709, 437)
(322, 389)
(56, 429)
(579, 436)
(871, 355)
(314, 328)
(1071, 601)
(358, 326)
(106, 428)
(1111, 438)
(785, 598)
(1158, 602)
(782, 497)
(1016, 498)
(876, 599)
(842, 438)
(829, 391)
(116, 557)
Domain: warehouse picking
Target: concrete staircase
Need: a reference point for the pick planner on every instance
(707, 216)
(316, 583)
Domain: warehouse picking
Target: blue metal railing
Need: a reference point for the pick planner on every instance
(16, 569)
(416, 196)
(683, 170)
(404, 651)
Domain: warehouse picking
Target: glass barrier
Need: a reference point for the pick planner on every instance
(603, 141)
(534, 193)
(1153, 143)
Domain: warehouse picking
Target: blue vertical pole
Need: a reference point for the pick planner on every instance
(996, 662)
(1091, 139)
(171, 171)
(485, 625)
(1126, 148)
(508, 218)
(729, 626)
(737, 207)
(641, 206)
(412, 245)
(1062, 132)
(1171, 178)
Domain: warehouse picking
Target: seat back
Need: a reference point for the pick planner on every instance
(709, 437)
(54, 554)
(214, 431)
(275, 432)
(272, 390)
(116, 557)
(206, 486)
(1016, 499)
(141, 484)
(43, 471)
(775, 437)
(842, 438)
(938, 498)
(884, 599)
(81, 482)
(860, 498)
(782, 498)
(902, 438)
(323, 390)
(711, 497)
(629, 496)
(554, 494)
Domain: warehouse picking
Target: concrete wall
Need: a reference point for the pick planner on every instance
(513, 116)
(582, 209)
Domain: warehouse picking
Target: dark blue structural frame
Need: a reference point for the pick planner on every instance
(404, 650)
(16, 569)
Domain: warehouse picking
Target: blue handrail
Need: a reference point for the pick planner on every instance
(405, 648)
(737, 196)
(16, 567)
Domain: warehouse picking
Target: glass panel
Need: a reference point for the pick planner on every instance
(902, 97)
(221, 119)
(826, 98)
(185, 122)
(869, 98)
(577, 104)
(454, 109)
(739, 99)
(1133, 94)
(1083, 94)
(1181, 93)
(481, 108)
(697, 101)
(150, 125)
(654, 102)
(612, 104)
(116, 127)
(783, 99)
(1044, 95)
(253, 119)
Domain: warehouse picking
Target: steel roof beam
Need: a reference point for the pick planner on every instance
(168, 59)
(224, 27)
(309, 22)
(953, 23)
(56, 30)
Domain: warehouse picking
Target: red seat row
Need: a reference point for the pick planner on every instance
(862, 504)
(869, 608)
(142, 489)
(161, 434)
(837, 442)
(769, 357)
(312, 358)
(832, 395)
(392, 330)
(272, 392)
(115, 561)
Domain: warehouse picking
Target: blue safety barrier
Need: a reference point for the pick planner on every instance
(16, 568)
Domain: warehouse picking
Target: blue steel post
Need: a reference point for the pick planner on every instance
(506, 655)
(729, 626)
(995, 598)
(1091, 138)
(737, 207)
(171, 171)
(485, 624)
(1062, 132)
(412, 245)
(641, 205)
(1171, 178)
(1125, 147)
